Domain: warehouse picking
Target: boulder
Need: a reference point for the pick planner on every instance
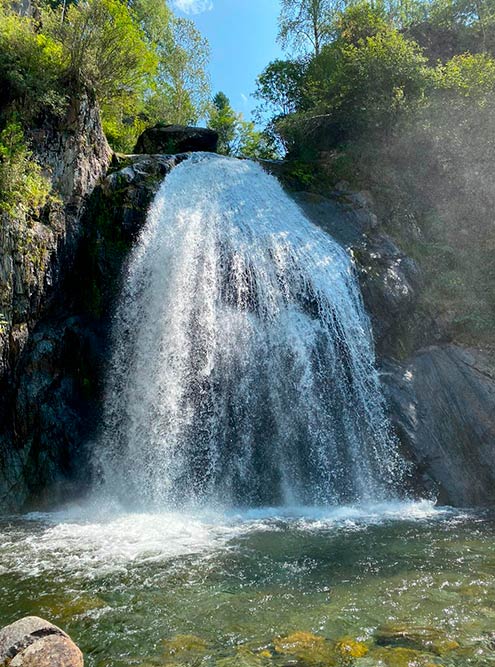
(34, 642)
(172, 139)
(442, 403)
(50, 651)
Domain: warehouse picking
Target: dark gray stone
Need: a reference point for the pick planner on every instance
(442, 402)
(390, 281)
(176, 139)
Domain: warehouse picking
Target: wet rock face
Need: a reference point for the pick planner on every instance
(36, 253)
(176, 139)
(441, 396)
(34, 642)
(390, 281)
(443, 405)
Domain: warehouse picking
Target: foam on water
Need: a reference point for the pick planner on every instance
(87, 541)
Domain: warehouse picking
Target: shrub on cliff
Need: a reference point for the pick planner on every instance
(22, 184)
(106, 50)
(31, 65)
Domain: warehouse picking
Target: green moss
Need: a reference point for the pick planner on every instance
(184, 649)
(308, 648)
(402, 657)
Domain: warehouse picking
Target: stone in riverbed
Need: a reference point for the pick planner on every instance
(417, 638)
(307, 648)
(50, 651)
(32, 641)
(402, 657)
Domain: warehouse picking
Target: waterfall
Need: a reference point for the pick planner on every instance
(242, 369)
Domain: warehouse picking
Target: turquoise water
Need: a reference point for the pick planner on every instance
(411, 584)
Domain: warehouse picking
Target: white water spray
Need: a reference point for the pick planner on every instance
(243, 366)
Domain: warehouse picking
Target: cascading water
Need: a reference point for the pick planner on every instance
(243, 365)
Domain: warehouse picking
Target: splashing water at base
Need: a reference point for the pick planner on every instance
(243, 366)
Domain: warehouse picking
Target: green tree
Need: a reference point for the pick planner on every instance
(225, 121)
(255, 144)
(451, 27)
(238, 137)
(32, 65)
(368, 76)
(468, 76)
(182, 86)
(107, 51)
(105, 47)
(280, 87)
(306, 23)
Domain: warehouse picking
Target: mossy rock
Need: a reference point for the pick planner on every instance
(419, 638)
(402, 657)
(246, 657)
(308, 648)
(349, 649)
(65, 607)
(185, 647)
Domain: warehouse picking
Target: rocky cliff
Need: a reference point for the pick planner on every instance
(37, 251)
(60, 272)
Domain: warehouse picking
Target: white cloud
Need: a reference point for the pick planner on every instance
(193, 6)
(244, 98)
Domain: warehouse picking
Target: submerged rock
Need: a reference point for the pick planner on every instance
(402, 657)
(349, 649)
(306, 647)
(415, 637)
(176, 139)
(183, 647)
(35, 642)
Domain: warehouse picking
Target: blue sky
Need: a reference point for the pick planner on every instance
(242, 36)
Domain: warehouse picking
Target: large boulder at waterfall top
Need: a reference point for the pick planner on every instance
(34, 642)
(442, 402)
(172, 139)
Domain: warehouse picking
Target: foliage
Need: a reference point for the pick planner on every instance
(182, 87)
(31, 65)
(359, 22)
(399, 98)
(254, 144)
(225, 121)
(107, 51)
(451, 27)
(280, 87)
(145, 65)
(22, 184)
(306, 23)
(468, 76)
(361, 82)
(236, 136)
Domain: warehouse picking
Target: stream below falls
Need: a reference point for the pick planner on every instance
(408, 583)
